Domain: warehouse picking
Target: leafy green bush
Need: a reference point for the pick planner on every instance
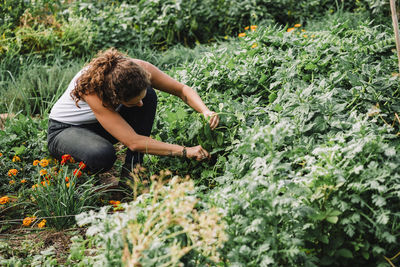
(62, 191)
(311, 172)
(80, 27)
(46, 36)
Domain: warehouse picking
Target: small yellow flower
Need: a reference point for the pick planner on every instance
(35, 162)
(305, 35)
(302, 30)
(290, 29)
(4, 200)
(43, 172)
(12, 172)
(242, 34)
(313, 36)
(44, 162)
(226, 37)
(42, 223)
(23, 181)
(28, 221)
(35, 186)
(253, 27)
(16, 159)
(11, 182)
(297, 25)
(254, 45)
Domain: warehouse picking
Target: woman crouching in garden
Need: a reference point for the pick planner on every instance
(113, 99)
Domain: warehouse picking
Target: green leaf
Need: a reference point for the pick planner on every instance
(324, 239)
(278, 108)
(220, 139)
(310, 66)
(272, 97)
(365, 254)
(18, 150)
(332, 219)
(344, 252)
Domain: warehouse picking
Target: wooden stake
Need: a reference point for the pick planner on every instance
(396, 29)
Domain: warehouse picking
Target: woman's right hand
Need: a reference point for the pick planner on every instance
(197, 152)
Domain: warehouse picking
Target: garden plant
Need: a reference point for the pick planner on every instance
(304, 167)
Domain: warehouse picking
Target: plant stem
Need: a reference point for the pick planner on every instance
(396, 29)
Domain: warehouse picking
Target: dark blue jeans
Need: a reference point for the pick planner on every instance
(93, 145)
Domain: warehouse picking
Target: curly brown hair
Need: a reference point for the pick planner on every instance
(113, 76)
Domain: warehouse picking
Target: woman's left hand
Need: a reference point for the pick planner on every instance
(214, 119)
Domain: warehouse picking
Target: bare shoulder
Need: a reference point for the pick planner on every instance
(141, 63)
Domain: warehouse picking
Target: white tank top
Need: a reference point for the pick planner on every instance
(65, 110)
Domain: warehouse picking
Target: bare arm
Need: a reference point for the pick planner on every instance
(164, 82)
(113, 123)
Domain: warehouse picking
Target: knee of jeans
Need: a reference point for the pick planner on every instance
(100, 158)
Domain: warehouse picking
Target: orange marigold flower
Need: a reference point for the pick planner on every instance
(42, 223)
(254, 45)
(28, 221)
(297, 25)
(16, 159)
(12, 172)
(67, 179)
(65, 158)
(44, 162)
(246, 28)
(11, 182)
(77, 173)
(4, 200)
(35, 162)
(35, 186)
(1, 154)
(253, 27)
(45, 182)
(242, 34)
(290, 29)
(115, 203)
(305, 35)
(82, 165)
(23, 181)
(43, 172)
(69, 184)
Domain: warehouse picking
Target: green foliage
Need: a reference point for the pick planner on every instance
(37, 88)
(309, 168)
(83, 27)
(46, 36)
(158, 228)
(62, 192)
(304, 161)
(24, 137)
